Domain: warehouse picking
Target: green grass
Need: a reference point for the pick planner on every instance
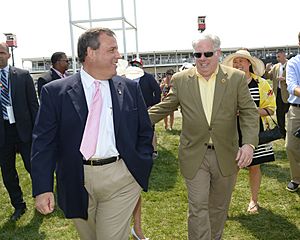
(165, 205)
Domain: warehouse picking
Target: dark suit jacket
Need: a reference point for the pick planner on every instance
(58, 133)
(150, 89)
(24, 102)
(48, 77)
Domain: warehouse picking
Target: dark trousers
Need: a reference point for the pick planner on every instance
(8, 163)
(281, 109)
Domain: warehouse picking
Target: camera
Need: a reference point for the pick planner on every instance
(297, 133)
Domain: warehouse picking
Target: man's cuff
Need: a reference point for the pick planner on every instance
(251, 145)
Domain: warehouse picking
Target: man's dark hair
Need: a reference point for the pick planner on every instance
(90, 39)
(170, 72)
(56, 57)
(280, 51)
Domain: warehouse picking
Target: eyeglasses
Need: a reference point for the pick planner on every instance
(136, 65)
(206, 54)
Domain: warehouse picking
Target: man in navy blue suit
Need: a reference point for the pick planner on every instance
(19, 106)
(98, 193)
(58, 70)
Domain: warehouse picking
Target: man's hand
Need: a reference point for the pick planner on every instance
(244, 156)
(268, 67)
(44, 203)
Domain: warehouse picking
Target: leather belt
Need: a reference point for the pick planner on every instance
(100, 162)
(295, 105)
(210, 146)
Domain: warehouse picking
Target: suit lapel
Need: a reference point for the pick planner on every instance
(77, 96)
(193, 89)
(117, 94)
(221, 84)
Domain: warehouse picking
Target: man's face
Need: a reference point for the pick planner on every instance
(281, 57)
(206, 65)
(64, 62)
(4, 56)
(105, 58)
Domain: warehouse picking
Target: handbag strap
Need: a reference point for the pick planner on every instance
(271, 117)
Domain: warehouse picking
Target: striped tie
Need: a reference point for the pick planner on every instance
(4, 94)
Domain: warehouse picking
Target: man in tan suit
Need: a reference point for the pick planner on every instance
(210, 95)
(277, 74)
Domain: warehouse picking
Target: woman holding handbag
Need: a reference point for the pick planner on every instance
(264, 99)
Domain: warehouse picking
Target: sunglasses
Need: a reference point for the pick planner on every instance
(136, 65)
(206, 54)
(64, 60)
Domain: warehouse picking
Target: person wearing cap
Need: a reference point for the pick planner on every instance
(293, 120)
(150, 90)
(264, 99)
(151, 94)
(165, 87)
(209, 96)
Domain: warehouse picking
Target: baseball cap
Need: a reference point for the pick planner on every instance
(137, 60)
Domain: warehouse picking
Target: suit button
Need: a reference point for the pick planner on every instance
(210, 128)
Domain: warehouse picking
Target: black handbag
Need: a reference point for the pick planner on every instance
(270, 135)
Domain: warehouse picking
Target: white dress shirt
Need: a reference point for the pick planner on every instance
(106, 144)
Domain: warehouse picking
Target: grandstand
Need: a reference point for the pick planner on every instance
(157, 63)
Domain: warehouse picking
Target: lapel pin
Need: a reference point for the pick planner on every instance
(119, 91)
(223, 80)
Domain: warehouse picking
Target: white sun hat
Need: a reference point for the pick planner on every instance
(258, 66)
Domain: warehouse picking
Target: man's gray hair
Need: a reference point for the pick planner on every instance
(213, 38)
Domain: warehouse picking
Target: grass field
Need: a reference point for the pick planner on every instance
(165, 205)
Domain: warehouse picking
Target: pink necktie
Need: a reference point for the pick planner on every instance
(91, 131)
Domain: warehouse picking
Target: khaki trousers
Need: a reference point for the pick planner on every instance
(209, 195)
(113, 194)
(293, 143)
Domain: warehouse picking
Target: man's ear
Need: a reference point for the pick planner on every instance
(90, 53)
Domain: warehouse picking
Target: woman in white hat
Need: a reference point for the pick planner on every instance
(264, 99)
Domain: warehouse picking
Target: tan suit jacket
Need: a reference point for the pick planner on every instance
(273, 75)
(231, 94)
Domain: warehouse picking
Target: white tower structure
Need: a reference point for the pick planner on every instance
(97, 11)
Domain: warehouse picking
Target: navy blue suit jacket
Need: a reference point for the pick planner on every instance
(150, 89)
(24, 102)
(58, 133)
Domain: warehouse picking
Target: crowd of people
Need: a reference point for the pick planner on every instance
(95, 130)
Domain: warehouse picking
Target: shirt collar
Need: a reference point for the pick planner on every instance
(6, 69)
(212, 76)
(58, 72)
(88, 80)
